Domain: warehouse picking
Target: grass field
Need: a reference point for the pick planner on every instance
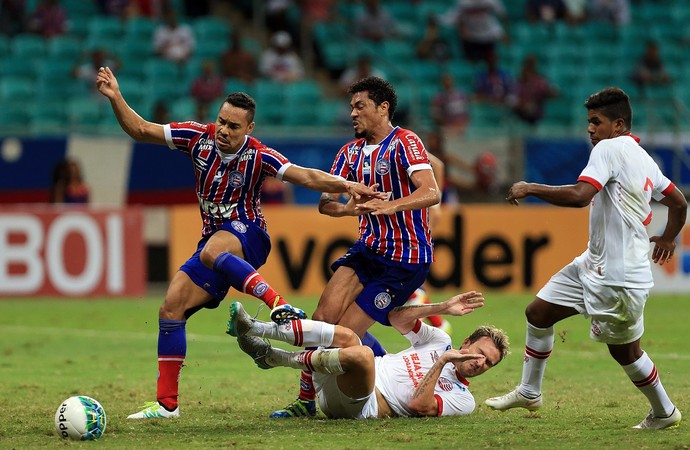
(54, 348)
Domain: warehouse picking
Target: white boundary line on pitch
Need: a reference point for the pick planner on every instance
(140, 335)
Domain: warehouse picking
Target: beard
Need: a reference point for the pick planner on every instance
(360, 134)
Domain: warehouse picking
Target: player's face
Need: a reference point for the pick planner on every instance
(483, 346)
(600, 127)
(366, 115)
(232, 124)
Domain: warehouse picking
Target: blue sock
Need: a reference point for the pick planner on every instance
(172, 338)
(370, 341)
(235, 269)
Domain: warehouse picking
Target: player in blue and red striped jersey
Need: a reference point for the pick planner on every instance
(392, 257)
(230, 167)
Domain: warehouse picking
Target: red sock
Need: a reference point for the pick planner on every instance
(169, 368)
(435, 321)
(306, 386)
(255, 285)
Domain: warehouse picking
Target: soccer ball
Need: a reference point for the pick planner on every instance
(80, 418)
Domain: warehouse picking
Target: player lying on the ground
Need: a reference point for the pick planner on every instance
(427, 379)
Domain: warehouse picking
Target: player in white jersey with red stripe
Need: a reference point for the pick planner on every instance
(427, 379)
(230, 167)
(609, 283)
(392, 256)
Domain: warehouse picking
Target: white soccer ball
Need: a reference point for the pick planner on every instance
(80, 418)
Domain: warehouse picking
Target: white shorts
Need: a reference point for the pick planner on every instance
(336, 405)
(616, 313)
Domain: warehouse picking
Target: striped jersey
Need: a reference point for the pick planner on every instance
(228, 186)
(405, 235)
(627, 179)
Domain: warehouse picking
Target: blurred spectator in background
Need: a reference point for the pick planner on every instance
(545, 10)
(278, 15)
(207, 87)
(650, 68)
(236, 62)
(616, 12)
(173, 40)
(276, 192)
(493, 84)
(68, 184)
(576, 10)
(434, 45)
(279, 62)
(12, 17)
(48, 19)
(480, 26)
(363, 69)
(530, 92)
(87, 69)
(450, 107)
(375, 23)
(161, 113)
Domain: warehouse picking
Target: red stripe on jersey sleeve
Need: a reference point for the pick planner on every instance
(591, 181)
(668, 190)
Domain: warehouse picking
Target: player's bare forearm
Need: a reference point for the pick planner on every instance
(419, 199)
(423, 401)
(330, 206)
(404, 318)
(573, 195)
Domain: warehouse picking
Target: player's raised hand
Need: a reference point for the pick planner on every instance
(517, 191)
(106, 82)
(462, 304)
(376, 207)
(663, 250)
(455, 355)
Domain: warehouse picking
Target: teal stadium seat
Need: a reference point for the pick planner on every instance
(18, 66)
(104, 32)
(4, 45)
(28, 46)
(64, 47)
(139, 28)
(48, 117)
(183, 109)
(14, 89)
(84, 113)
(211, 29)
(13, 119)
(300, 98)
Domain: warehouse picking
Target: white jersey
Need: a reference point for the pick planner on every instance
(627, 178)
(399, 374)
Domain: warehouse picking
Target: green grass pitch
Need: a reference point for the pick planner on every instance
(106, 348)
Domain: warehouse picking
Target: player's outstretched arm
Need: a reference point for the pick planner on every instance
(425, 195)
(573, 195)
(664, 245)
(404, 318)
(318, 180)
(131, 122)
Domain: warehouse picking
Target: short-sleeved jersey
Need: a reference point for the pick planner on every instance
(228, 186)
(627, 179)
(403, 236)
(399, 374)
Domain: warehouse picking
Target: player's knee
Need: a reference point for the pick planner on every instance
(207, 257)
(361, 357)
(345, 337)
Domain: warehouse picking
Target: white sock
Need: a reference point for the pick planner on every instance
(644, 375)
(301, 333)
(538, 346)
(322, 361)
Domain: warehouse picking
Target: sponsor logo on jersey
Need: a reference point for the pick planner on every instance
(366, 167)
(205, 146)
(261, 288)
(224, 210)
(235, 179)
(240, 228)
(247, 154)
(383, 166)
(382, 300)
(413, 147)
(445, 384)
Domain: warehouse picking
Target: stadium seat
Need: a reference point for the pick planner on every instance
(28, 46)
(161, 71)
(211, 29)
(4, 45)
(104, 30)
(183, 109)
(65, 46)
(139, 28)
(17, 66)
(13, 119)
(237, 85)
(15, 89)
(84, 113)
(48, 117)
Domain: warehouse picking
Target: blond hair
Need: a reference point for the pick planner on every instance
(498, 336)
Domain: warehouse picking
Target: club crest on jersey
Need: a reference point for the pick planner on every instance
(238, 226)
(383, 166)
(260, 289)
(382, 300)
(445, 384)
(235, 179)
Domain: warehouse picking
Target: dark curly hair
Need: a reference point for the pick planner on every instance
(379, 91)
(613, 103)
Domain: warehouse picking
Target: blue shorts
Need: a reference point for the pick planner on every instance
(256, 246)
(387, 284)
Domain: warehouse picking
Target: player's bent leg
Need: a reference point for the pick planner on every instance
(651, 422)
(257, 349)
(514, 399)
(282, 314)
(240, 322)
(154, 410)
